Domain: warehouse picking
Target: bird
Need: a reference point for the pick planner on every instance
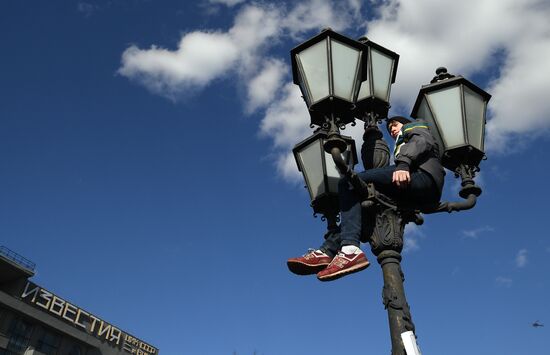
(537, 324)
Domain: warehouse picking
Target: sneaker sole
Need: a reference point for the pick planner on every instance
(299, 268)
(339, 274)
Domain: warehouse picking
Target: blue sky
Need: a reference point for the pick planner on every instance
(144, 167)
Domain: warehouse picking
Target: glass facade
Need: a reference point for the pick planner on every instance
(19, 336)
(49, 343)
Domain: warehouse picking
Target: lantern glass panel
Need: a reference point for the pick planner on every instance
(475, 117)
(382, 69)
(314, 63)
(311, 159)
(333, 174)
(425, 114)
(345, 63)
(447, 110)
(364, 91)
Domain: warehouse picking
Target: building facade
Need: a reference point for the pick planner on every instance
(36, 321)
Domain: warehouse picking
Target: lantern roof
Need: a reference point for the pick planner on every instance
(447, 81)
(327, 32)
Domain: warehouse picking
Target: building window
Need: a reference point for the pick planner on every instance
(49, 343)
(19, 334)
(75, 350)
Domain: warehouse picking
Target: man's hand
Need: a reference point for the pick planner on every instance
(401, 178)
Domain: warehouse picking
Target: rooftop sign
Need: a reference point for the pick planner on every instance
(85, 321)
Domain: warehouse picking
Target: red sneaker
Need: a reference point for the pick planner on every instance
(310, 263)
(343, 264)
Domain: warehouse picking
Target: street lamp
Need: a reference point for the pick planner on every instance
(329, 69)
(321, 173)
(456, 110)
(341, 78)
(374, 94)
(373, 101)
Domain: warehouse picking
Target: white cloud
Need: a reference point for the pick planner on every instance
(263, 87)
(203, 56)
(316, 15)
(286, 122)
(504, 281)
(474, 233)
(200, 58)
(411, 238)
(521, 258)
(355, 7)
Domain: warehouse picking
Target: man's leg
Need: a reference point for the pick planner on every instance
(351, 259)
(421, 190)
(316, 260)
(332, 243)
(350, 203)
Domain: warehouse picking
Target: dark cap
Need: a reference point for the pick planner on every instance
(400, 119)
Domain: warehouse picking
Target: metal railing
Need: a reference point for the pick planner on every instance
(13, 256)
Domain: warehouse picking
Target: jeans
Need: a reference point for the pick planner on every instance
(421, 189)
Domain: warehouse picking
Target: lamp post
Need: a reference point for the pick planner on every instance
(456, 109)
(374, 96)
(341, 80)
(329, 69)
(321, 173)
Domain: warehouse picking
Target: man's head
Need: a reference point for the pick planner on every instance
(395, 123)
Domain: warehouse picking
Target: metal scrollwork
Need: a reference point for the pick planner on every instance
(391, 299)
(466, 172)
(388, 232)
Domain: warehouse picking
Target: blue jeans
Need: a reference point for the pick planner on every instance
(421, 189)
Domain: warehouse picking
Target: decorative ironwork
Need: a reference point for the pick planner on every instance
(466, 172)
(375, 152)
(388, 232)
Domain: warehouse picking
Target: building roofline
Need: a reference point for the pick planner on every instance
(14, 266)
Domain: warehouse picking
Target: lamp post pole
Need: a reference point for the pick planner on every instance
(385, 237)
(387, 244)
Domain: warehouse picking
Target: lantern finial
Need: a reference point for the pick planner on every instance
(441, 74)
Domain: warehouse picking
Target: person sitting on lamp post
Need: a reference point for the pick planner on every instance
(417, 177)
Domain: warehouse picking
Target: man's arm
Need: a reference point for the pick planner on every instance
(418, 144)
